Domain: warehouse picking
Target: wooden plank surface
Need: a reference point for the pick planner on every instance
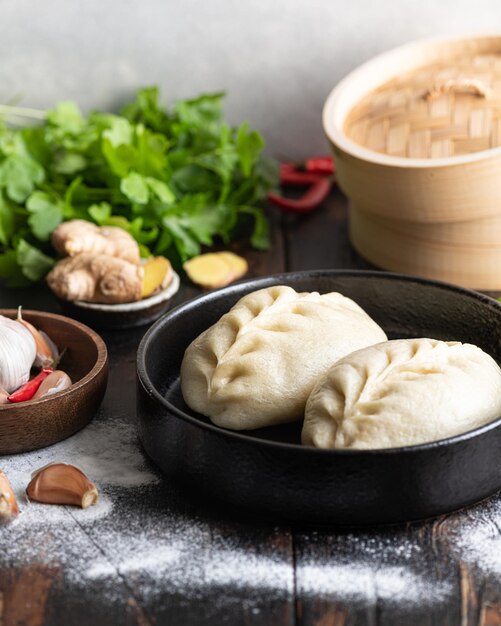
(434, 573)
(158, 556)
(155, 555)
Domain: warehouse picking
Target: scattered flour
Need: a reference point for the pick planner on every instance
(393, 584)
(163, 543)
(385, 564)
(477, 540)
(180, 568)
(161, 547)
(106, 450)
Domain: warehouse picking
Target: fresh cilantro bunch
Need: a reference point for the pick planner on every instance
(174, 179)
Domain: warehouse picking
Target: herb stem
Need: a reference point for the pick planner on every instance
(7, 109)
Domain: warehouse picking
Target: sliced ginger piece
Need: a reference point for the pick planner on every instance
(208, 270)
(215, 269)
(238, 263)
(157, 273)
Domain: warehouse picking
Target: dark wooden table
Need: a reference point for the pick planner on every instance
(153, 555)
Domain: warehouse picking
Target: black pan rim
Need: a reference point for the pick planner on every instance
(264, 281)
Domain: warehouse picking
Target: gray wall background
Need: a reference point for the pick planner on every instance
(277, 59)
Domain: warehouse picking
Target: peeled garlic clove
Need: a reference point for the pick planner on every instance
(56, 381)
(56, 355)
(8, 502)
(17, 354)
(62, 483)
(45, 354)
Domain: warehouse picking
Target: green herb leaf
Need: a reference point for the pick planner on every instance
(260, 237)
(186, 244)
(175, 178)
(46, 214)
(119, 221)
(199, 112)
(146, 110)
(160, 189)
(7, 221)
(120, 158)
(19, 175)
(70, 163)
(135, 188)
(11, 274)
(67, 116)
(71, 212)
(249, 146)
(34, 264)
(164, 242)
(100, 212)
(120, 131)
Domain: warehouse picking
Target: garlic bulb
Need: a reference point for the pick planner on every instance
(17, 354)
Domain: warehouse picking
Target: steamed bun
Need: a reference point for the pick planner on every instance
(403, 392)
(257, 365)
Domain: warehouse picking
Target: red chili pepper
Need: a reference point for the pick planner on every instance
(315, 173)
(28, 390)
(318, 165)
(315, 195)
(289, 175)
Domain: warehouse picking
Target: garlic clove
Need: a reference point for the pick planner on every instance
(17, 354)
(56, 355)
(8, 502)
(62, 483)
(45, 356)
(56, 381)
(4, 396)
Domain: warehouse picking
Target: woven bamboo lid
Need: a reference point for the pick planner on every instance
(443, 109)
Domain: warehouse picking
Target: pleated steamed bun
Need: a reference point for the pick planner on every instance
(403, 392)
(257, 365)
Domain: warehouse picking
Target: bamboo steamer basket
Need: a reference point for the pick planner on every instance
(392, 245)
(416, 136)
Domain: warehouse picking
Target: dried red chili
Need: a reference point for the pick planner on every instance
(314, 196)
(318, 165)
(313, 173)
(28, 390)
(290, 175)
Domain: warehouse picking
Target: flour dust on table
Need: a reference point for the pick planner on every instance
(478, 541)
(107, 451)
(369, 566)
(182, 552)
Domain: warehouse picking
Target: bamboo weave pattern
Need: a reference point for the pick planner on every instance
(419, 115)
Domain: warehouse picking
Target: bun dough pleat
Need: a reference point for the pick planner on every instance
(257, 365)
(403, 392)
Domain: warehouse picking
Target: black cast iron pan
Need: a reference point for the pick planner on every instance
(268, 470)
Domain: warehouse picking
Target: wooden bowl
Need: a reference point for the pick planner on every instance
(35, 424)
(268, 470)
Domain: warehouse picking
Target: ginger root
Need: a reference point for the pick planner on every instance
(106, 279)
(96, 278)
(77, 236)
(103, 265)
(215, 269)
